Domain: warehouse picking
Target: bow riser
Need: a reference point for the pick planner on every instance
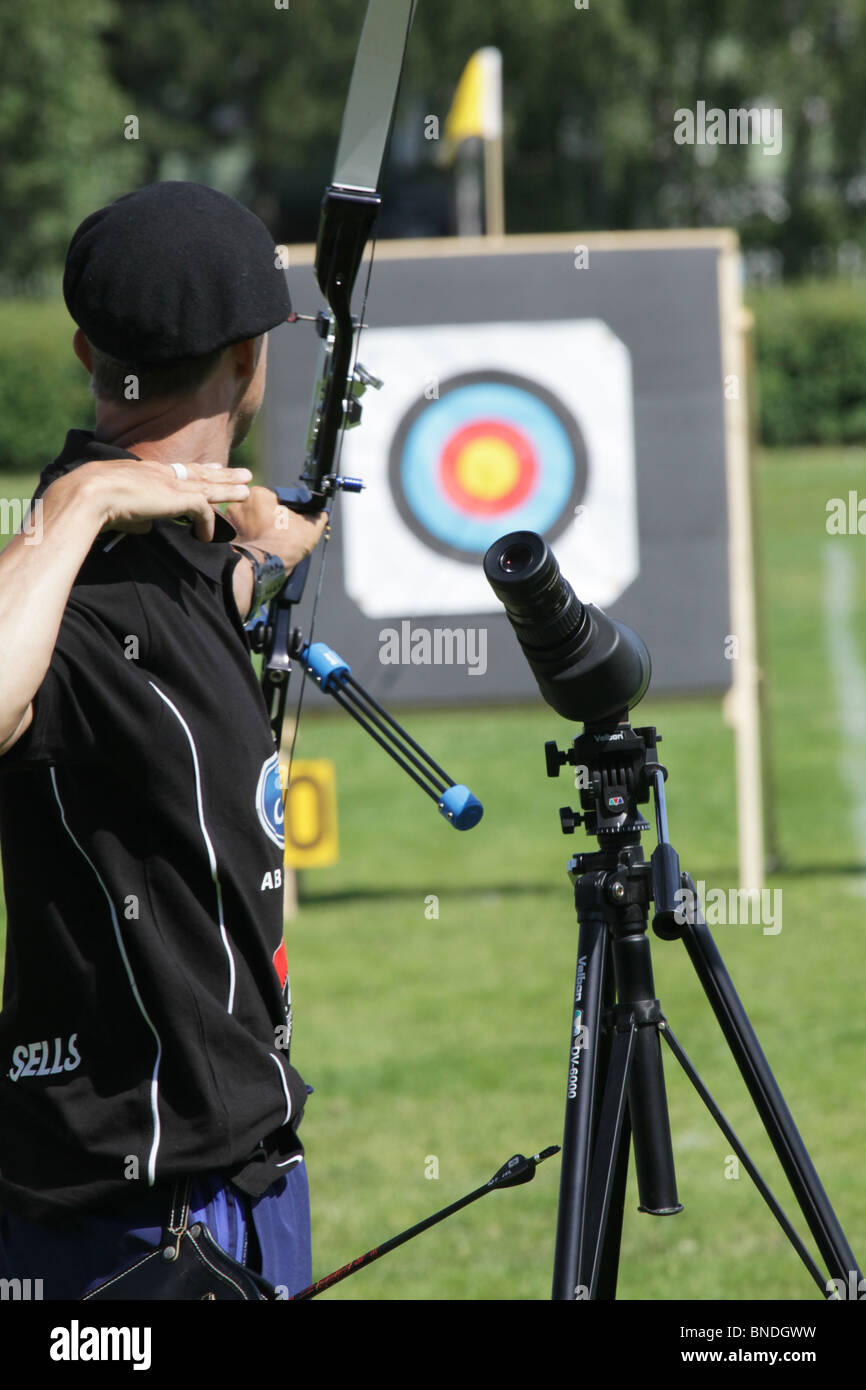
(345, 226)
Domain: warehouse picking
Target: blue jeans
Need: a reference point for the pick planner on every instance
(269, 1234)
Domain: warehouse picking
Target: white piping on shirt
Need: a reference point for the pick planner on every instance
(206, 837)
(285, 1085)
(154, 1080)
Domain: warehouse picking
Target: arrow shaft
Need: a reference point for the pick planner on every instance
(379, 1250)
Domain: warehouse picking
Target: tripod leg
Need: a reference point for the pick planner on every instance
(653, 1149)
(599, 1256)
(744, 1158)
(769, 1101)
(608, 1269)
(592, 979)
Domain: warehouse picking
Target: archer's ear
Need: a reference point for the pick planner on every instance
(245, 356)
(81, 348)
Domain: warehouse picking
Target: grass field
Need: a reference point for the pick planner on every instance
(447, 1038)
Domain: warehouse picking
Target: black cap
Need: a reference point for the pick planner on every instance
(173, 270)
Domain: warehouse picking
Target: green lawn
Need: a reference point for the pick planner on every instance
(447, 1038)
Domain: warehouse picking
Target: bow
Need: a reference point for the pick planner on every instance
(349, 209)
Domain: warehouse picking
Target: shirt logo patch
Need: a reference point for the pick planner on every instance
(269, 801)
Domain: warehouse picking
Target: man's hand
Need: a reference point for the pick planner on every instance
(129, 494)
(264, 524)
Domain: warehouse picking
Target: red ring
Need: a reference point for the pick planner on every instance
(520, 445)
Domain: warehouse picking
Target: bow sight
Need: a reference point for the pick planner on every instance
(344, 229)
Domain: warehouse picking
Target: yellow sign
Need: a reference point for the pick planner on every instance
(311, 813)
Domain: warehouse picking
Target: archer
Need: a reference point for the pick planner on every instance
(135, 847)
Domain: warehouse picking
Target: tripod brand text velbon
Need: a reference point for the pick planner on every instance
(578, 1031)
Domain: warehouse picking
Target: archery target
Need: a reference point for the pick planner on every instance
(483, 429)
(492, 453)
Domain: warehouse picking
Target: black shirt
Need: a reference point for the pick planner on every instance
(146, 1018)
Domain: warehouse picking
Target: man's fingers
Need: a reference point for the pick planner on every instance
(213, 471)
(214, 492)
(224, 491)
(317, 522)
(129, 495)
(203, 516)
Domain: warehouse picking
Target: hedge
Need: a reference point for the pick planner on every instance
(810, 351)
(45, 391)
(810, 347)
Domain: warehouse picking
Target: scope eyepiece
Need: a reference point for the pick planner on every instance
(541, 605)
(588, 667)
(516, 558)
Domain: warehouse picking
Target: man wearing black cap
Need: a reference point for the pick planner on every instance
(146, 1014)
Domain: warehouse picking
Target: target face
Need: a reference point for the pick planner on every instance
(482, 429)
(493, 453)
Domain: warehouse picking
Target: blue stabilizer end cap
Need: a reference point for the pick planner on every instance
(324, 665)
(461, 808)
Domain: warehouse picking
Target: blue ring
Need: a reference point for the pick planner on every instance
(426, 442)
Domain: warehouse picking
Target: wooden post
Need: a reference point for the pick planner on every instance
(742, 704)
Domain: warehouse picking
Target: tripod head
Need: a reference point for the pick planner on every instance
(616, 770)
(610, 762)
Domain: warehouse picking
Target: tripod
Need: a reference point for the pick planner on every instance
(616, 1090)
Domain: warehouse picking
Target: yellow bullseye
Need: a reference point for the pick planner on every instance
(487, 469)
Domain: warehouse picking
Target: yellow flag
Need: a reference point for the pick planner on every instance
(477, 106)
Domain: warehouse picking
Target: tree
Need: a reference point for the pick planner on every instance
(62, 144)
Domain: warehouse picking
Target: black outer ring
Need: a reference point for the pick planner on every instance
(398, 444)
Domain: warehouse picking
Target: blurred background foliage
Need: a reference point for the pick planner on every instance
(248, 98)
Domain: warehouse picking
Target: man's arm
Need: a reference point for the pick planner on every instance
(36, 577)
